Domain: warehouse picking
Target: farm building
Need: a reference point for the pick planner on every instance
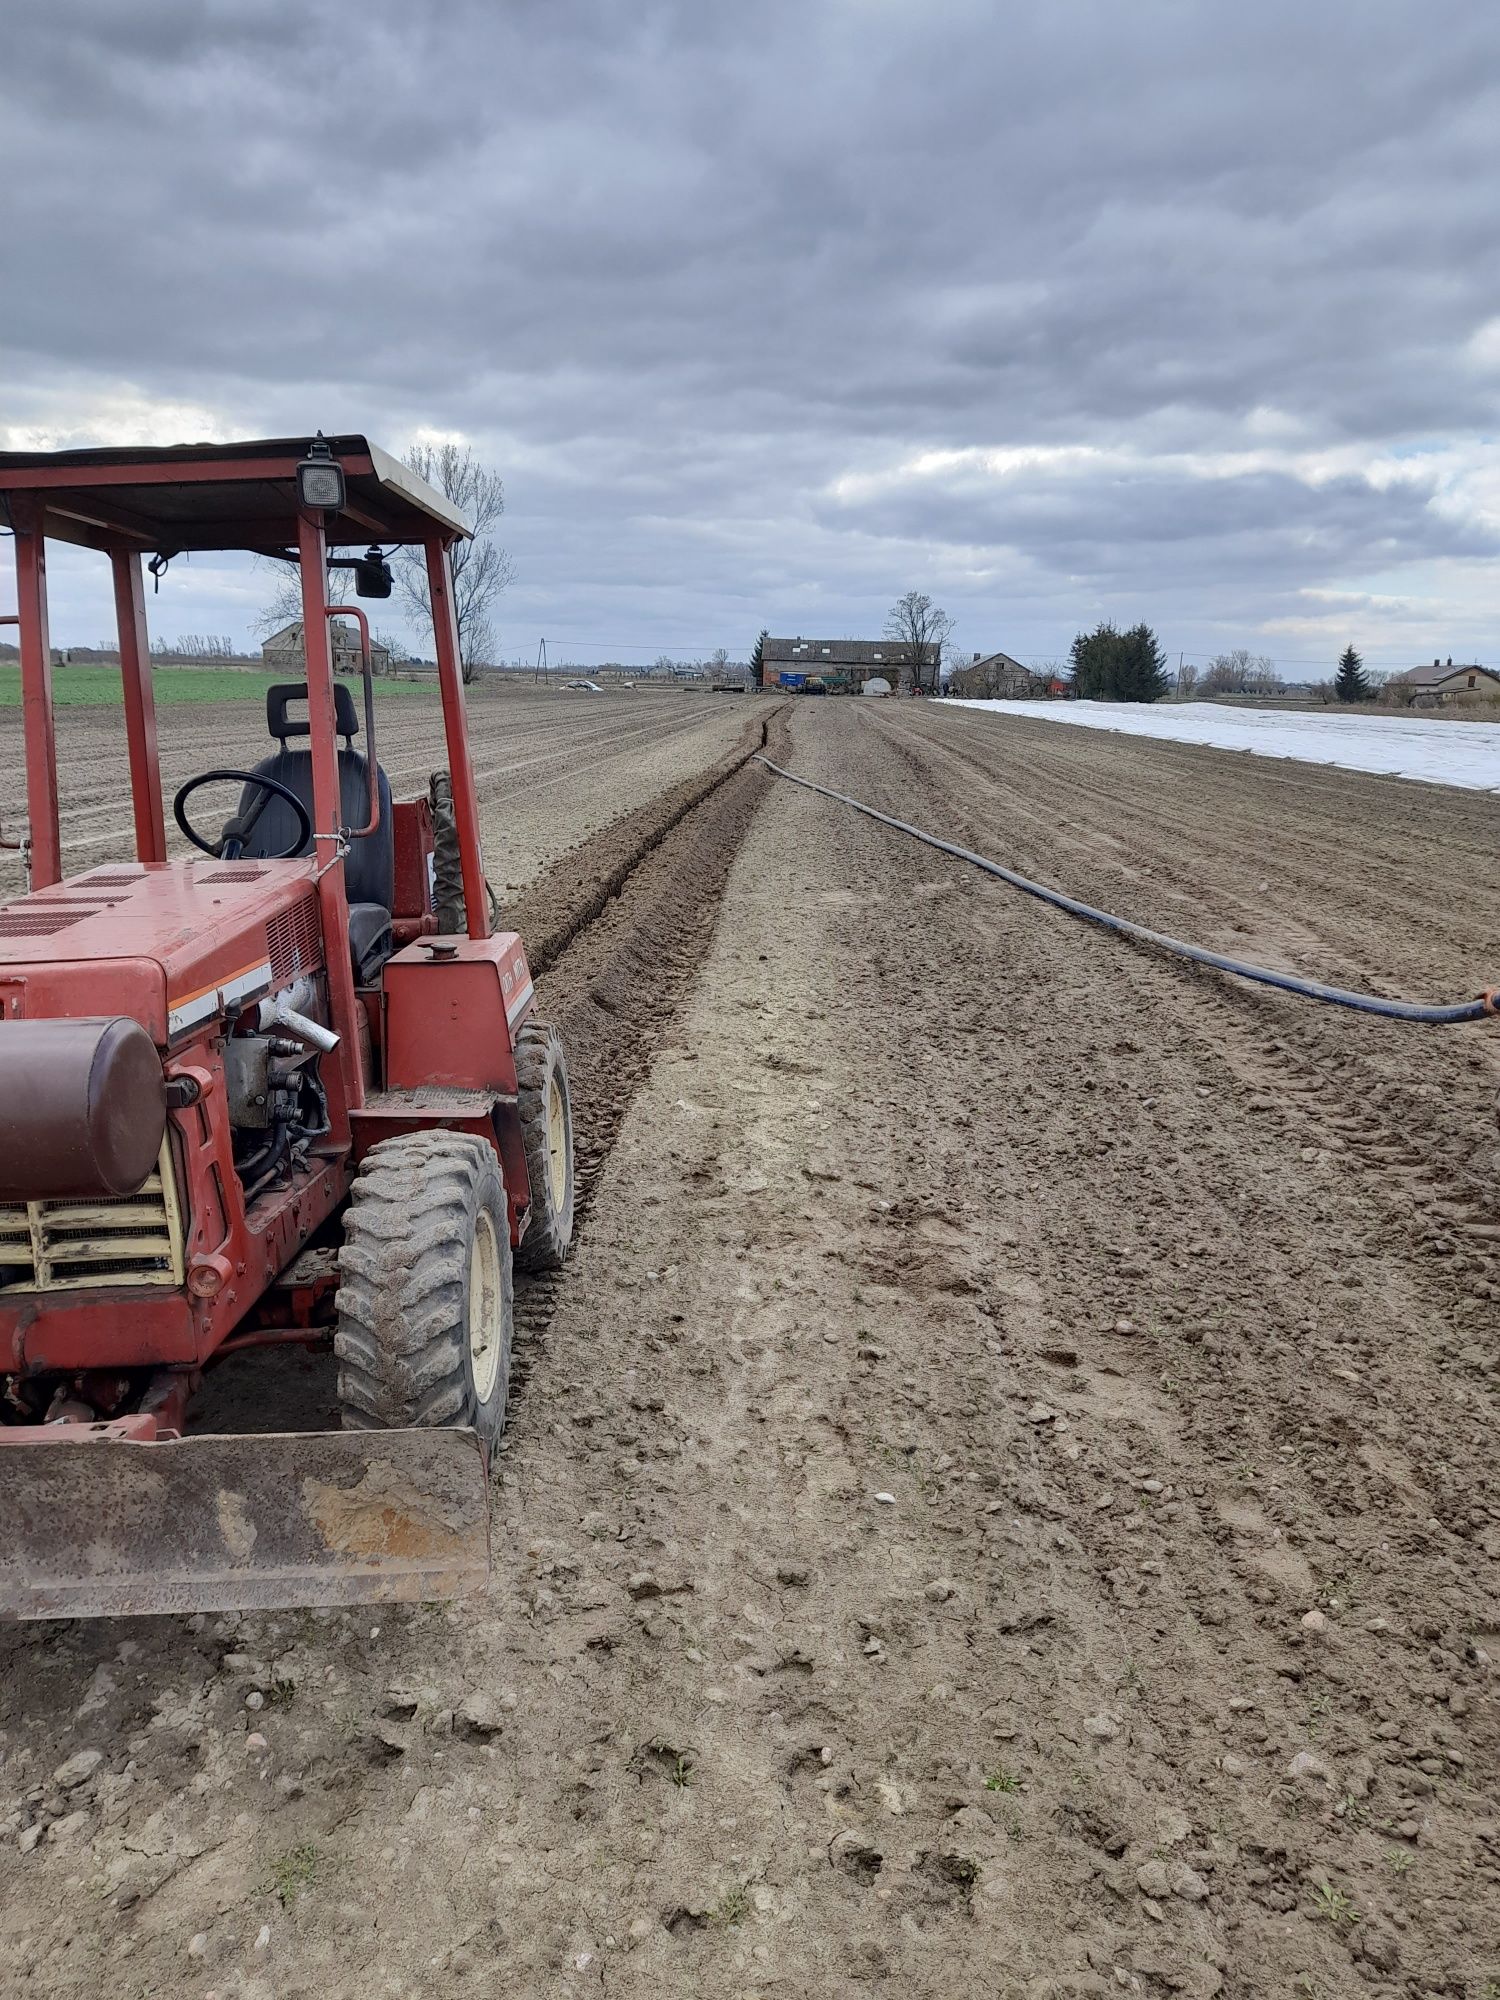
(1431, 687)
(1010, 681)
(997, 677)
(843, 663)
(283, 653)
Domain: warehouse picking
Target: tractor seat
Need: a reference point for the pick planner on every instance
(370, 865)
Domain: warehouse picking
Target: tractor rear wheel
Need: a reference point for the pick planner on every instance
(546, 1114)
(425, 1294)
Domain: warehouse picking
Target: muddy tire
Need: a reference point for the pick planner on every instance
(546, 1113)
(425, 1294)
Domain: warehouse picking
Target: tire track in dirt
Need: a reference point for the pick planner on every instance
(1212, 852)
(1260, 1441)
(615, 934)
(1405, 1103)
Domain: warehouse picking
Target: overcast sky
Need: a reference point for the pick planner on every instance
(768, 313)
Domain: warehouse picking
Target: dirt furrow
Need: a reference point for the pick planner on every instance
(615, 937)
(551, 768)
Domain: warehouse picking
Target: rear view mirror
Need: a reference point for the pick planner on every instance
(372, 575)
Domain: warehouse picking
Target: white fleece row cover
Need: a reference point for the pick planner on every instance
(1399, 746)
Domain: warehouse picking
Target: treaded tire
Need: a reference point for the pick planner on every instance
(541, 1070)
(447, 875)
(447, 870)
(426, 1245)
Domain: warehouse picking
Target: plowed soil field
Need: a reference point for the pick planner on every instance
(1003, 1499)
(551, 766)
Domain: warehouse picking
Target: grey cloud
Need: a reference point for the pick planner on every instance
(1162, 528)
(679, 268)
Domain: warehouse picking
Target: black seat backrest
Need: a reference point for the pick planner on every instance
(370, 868)
(280, 698)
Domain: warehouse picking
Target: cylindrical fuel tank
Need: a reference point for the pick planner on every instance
(82, 1109)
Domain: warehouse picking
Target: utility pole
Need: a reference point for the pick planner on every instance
(541, 664)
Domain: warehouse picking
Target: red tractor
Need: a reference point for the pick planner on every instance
(259, 1095)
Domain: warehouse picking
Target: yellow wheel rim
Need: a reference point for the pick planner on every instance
(486, 1308)
(557, 1145)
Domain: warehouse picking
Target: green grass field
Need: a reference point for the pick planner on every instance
(99, 687)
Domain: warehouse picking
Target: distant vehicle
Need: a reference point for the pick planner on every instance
(584, 687)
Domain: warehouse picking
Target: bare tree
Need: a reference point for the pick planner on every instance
(481, 568)
(1241, 672)
(284, 605)
(199, 646)
(921, 631)
(1187, 680)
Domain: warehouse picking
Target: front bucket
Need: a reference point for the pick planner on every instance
(93, 1529)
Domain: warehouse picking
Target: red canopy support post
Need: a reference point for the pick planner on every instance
(140, 706)
(36, 693)
(328, 813)
(456, 729)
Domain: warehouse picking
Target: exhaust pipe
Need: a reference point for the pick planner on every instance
(283, 1016)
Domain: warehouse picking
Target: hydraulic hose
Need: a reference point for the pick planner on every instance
(1310, 989)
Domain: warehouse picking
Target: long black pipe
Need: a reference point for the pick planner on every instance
(1310, 989)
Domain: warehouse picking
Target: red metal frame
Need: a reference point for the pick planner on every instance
(455, 726)
(36, 695)
(140, 707)
(329, 840)
(372, 818)
(179, 945)
(175, 472)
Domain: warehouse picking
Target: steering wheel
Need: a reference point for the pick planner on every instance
(231, 842)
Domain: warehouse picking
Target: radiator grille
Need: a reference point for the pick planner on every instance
(292, 940)
(64, 899)
(41, 923)
(60, 1246)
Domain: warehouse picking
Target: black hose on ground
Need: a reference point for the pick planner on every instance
(1310, 989)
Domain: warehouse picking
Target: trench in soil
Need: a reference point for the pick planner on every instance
(615, 933)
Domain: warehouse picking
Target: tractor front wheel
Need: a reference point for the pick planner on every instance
(546, 1112)
(425, 1294)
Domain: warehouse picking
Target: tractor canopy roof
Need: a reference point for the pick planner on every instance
(173, 498)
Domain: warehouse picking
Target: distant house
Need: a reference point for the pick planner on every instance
(843, 663)
(283, 652)
(997, 677)
(1011, 681)
(1442, 682)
